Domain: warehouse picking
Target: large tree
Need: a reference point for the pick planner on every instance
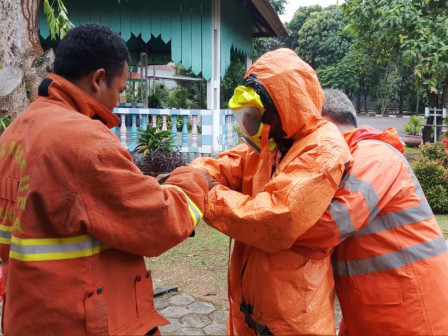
(21, 48)
(319, 40)
(414, 30)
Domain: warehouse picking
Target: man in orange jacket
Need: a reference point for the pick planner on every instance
(391, 267)
(77, 216)
(273, 188)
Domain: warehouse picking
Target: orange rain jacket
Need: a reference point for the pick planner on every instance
(391, 269)
(77, 216)
(274, 286)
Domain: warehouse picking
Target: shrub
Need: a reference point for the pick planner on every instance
(430, 167)
(156, 163)
(435, 151)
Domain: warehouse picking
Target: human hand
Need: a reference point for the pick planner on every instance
(162, 178)
(211, 181)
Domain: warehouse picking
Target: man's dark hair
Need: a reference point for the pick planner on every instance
(90, 47)
(338, 107)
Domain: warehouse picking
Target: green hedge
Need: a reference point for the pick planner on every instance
(430, 167)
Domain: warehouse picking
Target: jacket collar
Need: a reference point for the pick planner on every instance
(65, 92)
(389, 135)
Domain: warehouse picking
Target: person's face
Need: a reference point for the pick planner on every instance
(273, 119)
(109, 95)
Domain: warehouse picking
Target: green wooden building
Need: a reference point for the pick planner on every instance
(200, 34)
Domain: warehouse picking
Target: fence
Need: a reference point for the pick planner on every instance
(194, 139)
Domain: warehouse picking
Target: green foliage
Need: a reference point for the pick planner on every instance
(195, 96)
(233, 78)
(342, 75)
(430, 167)
(413, 127)
(320, 41)
(412, 29)
(59, 25)
(4, 122)
(296, 23)
(154, 101)
(151, 140)
(436, 152)
(133, 96)
(279, 6)
(178, 99)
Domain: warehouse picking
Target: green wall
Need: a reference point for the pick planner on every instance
(177, 30)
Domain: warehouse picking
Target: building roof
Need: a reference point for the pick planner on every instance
(266, 22)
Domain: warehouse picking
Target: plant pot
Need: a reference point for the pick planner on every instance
(412, 140)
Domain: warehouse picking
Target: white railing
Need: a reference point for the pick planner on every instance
(194, 142)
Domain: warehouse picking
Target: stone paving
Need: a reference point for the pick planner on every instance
(190, 317)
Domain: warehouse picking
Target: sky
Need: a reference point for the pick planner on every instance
(293, 5)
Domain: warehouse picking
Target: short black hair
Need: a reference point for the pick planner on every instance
(90, 47)
(338, 107)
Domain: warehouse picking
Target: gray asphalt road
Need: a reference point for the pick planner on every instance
(383, 122)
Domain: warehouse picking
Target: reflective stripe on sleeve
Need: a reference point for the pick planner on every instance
(354, 184)
(341, 216)
(340, 212)
(401, 217)
(43, 249)
(392, 260)
(195, 213)
(5, 234)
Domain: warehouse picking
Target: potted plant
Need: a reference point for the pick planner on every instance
(412, 132)
(154, 153)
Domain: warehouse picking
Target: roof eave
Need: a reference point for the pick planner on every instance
(276, 27)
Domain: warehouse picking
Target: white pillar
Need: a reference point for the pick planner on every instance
(248, 62)
(214, 84)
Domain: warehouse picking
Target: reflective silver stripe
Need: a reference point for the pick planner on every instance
(57, 248)
(340, 212)
(45, 249)
(402, 217)
(341, 216)
(5, 234)
(392, 260)
(396, 219)
(354, 184)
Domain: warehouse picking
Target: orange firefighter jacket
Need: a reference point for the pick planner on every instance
(391, 267)
(274, 288)
(77, 216)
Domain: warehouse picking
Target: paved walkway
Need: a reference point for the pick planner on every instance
(190, 317)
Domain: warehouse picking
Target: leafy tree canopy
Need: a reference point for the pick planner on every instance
(415, 29)
(320, 42)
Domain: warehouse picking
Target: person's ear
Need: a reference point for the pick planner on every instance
(97, 78)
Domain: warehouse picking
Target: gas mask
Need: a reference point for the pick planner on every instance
(248, 110)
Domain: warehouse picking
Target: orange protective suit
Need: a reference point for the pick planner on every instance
(274, 286)
(391, 268)
(77, 216)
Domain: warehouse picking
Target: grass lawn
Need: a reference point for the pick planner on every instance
(443, 222)
(197, 266)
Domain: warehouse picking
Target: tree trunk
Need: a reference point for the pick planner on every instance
(19, 38)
